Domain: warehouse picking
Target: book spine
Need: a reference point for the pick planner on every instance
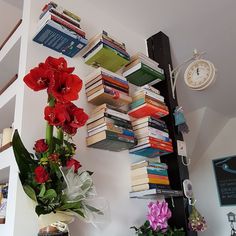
(68, 25)
(115, 78)
(118, 114)
(157, 71)
(123, 90)
(112, 90)
(64, 17)
(119, 120)
(116, 82)
(110, 39)
(120, 137)
(120, 130)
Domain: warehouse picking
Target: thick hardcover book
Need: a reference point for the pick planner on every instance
(142, 74)
(106, 57)
(148, 110)
(56, 37)
(110, 141)
(149, 170)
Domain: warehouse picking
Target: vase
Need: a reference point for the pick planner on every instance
(51, 231)
(48, 226)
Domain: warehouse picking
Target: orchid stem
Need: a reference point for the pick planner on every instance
(49, 129)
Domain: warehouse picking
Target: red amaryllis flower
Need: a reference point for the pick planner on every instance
(40, 146)
(56, 115)
(58, 64)
(73, 163)
(66, 87)
(38, 79)
(69, 129)
(41, 175)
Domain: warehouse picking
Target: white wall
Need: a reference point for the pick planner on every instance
(112, 170)
(204, 183)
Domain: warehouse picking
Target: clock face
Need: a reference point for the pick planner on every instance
(199, 74)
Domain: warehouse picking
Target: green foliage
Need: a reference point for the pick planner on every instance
(146, 230)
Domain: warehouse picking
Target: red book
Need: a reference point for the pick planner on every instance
(148, 110)
(158, 176)
(68, 25)
(114, 81)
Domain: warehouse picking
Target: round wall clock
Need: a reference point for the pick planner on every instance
(199, 74)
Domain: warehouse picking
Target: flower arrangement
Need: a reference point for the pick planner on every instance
(157, 221)
(52, 177)
(197, 222)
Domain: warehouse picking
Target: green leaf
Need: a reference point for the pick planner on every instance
(94, 210)
(70, 205)
(50, 194)
(23, 158)
(30, 192)
(42, 190)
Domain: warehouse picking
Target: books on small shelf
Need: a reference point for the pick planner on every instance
(142, 70)
(105, 51)
(147, 101)
(146, 175)
(59, 29)
(110, 128)
(103, 86)
(152, 136)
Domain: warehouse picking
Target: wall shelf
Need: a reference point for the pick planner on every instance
(11, 41)
(154, 193)
(8, 84)
(3, 148)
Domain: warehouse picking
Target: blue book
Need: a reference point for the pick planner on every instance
(60, 39)
(149, 152)
(157, 172)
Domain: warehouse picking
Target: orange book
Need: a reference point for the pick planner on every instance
(148, 110)
(113, 81)
(157, 176)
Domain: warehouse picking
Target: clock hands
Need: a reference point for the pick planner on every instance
(197, 71)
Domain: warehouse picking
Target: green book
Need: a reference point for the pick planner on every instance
(106, 57)
(142, 74)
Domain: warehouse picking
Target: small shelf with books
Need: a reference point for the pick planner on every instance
(150, 178)
(60, 29)
(103, 86)
(109, 128)
(105, 51)
(142, 70)
(147, 108)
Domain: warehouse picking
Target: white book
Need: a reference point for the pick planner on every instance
(97, 127)
(148, 87)
(151, 130)
(100, 71)
(150, 94)
(97, 130)
(94, 86)
(139, 192)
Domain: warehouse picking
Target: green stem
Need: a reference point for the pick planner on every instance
(49, 129)
(60, 135)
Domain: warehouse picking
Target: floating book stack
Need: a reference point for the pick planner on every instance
(142, 70)
(103, 50)
(153, 137)
(103, 86)
(59, 29)
(110, 128)
(147, 101)
(147, 175)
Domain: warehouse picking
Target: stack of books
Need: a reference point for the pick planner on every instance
(110, 128)
(59, 29)
(105, 51)
(142, 70)
(147, 101)
(152, 137)
(103, 86)
(147, 175)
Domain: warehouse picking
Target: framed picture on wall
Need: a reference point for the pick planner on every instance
(225, 174)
